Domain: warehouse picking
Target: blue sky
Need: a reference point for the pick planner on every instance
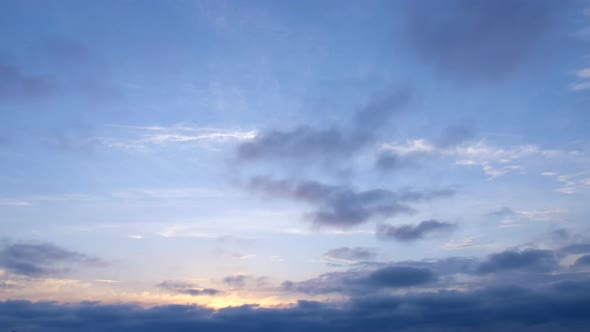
(231, 154)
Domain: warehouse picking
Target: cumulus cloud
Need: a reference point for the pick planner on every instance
(42, 260)
(478, 40)
(181, 287)
(412, 232)
(342, 206)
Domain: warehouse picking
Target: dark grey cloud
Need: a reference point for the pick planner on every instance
(357, 281)
(526, 260)
(583, 261)
(181, 287)
(306, 144)
(479, 40)
(18, 86)
(401, 276)
(342, 206)
(558, 307)
(576, 248)
(412, 232)
(42, 260)
(351, 254)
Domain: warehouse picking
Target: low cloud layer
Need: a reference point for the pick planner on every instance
(560, 306)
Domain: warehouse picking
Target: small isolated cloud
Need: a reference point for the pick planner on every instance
(239, 281)
(406, 233)
(180, 287)
(42, 260)
(504, 212)
(348, 255)
(340, 206)
(530, 260)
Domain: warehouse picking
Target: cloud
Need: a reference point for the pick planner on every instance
(576, 248)
(144, 137)
(466, 243)
(583, 261)
(504, 212)
(545, 215)
(526, 260)
(16, 86)
(340, 206)
(400, 276)
(494, 161)
(180, 287)
(412, 232)
(478, 40)
(570, 183)
(42, 260)
(236, 281)
(359, 281)
(348, 255)
(306, 144)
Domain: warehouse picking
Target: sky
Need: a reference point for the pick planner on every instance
(294, 165)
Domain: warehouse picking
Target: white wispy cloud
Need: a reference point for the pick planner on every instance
(465, 243)
(570, 183)
(494, 161)
(555, 214)
(141, 137)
